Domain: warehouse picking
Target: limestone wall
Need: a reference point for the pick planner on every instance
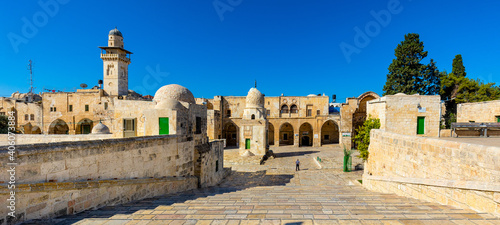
(141, 157)
(22, 139)
(210, 163)
(376, 109)
(478, 111)
(67, 177)
(447, 172)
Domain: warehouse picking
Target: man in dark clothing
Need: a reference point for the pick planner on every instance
(297, 165)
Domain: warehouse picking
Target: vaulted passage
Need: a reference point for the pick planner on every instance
(58, 127)
(286, 134)
(305, 135)
(231, 134)
(270, 134)
(329, 133)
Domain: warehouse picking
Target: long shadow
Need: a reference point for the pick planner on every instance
(237, 181)
(290, 154)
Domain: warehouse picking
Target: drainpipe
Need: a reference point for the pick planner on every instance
(440, 116)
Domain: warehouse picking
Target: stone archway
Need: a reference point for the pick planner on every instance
(359, 116)
(305, 135)
(329, 133)
(58, 126)
(230, 134)
(286, 134)
(84, 126)
(270, 134)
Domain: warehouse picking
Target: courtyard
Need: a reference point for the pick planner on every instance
(274, 193)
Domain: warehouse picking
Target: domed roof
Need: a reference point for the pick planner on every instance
(169, 103)
(115, 32)
(255, 98)
(174, 91)
(100, 129)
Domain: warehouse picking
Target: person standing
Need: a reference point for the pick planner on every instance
(297, 165)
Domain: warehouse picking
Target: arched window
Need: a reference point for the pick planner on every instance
(294, 109)
(253, 116)
(284, 109)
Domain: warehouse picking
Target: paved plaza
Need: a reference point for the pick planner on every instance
(274, 193)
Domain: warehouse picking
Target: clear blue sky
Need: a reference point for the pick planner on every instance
(288, 46)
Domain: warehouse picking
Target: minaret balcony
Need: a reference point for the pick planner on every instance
(115, 56)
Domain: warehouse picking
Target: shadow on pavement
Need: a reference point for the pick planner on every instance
(290, 154)
(237, 181)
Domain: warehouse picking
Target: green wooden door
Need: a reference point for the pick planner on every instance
(86, 129)
(247, 144)
(498, 119)
(420, 125)
(163, 124)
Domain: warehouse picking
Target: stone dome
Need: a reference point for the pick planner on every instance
(115, 32)
(100, 129)
(255, 98)
(169, 103)
(174, 91)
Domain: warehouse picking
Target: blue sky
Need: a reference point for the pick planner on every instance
(288, 46)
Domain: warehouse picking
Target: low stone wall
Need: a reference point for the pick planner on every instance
(48, 200)
(211, 164)
(67, 177)
(447, 172)
(22, 139)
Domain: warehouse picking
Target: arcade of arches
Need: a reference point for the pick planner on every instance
(58, 127)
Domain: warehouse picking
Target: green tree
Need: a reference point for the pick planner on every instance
(362, 137)
(4, 124)
(456, 88)
(407, 74)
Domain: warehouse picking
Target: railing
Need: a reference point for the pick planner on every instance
(481, 127)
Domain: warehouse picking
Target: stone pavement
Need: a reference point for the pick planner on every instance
(274, 193)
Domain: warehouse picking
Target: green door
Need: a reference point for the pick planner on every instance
(247, 144)
(86, 129)
(498, 119)
(163, 124)
(420, 125)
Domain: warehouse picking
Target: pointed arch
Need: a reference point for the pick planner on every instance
(330, 132)
(58, 126)
(305, 135)
(286, 134)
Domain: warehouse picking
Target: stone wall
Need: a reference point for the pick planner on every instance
(447, 172)
(22, 139)
(210, 163)
(478, 112)
(52, 179)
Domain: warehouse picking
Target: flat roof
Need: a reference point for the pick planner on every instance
(487, 141)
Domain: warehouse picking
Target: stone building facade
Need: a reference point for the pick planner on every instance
(292, 120)
(407, 114)
(353, 114)
(479, 112)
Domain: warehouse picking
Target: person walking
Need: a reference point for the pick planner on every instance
(297, 165)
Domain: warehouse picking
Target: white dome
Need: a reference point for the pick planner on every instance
(100, 129)
(174, 91)
(255, 98)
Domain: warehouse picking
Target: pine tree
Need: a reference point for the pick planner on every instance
(407, 74)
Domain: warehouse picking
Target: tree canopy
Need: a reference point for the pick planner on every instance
(407, 74)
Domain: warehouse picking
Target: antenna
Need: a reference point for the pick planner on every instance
(256, 83)
(31, 92)
(83, 86)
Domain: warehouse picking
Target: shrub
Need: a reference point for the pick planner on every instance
(362, 137)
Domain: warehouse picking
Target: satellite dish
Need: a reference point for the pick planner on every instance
(83, 86)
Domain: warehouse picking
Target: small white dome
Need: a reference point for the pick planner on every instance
(174, 91)
(100, 129)
(255, 98)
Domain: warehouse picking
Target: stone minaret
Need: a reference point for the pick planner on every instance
(115, 65)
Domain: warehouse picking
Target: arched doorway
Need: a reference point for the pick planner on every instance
(36, 130)
(286, 134)
(270, 134)
(58, 127)
(329, 133)
(359, 116)
(305, 134)
(230, 134)
(84, 126)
